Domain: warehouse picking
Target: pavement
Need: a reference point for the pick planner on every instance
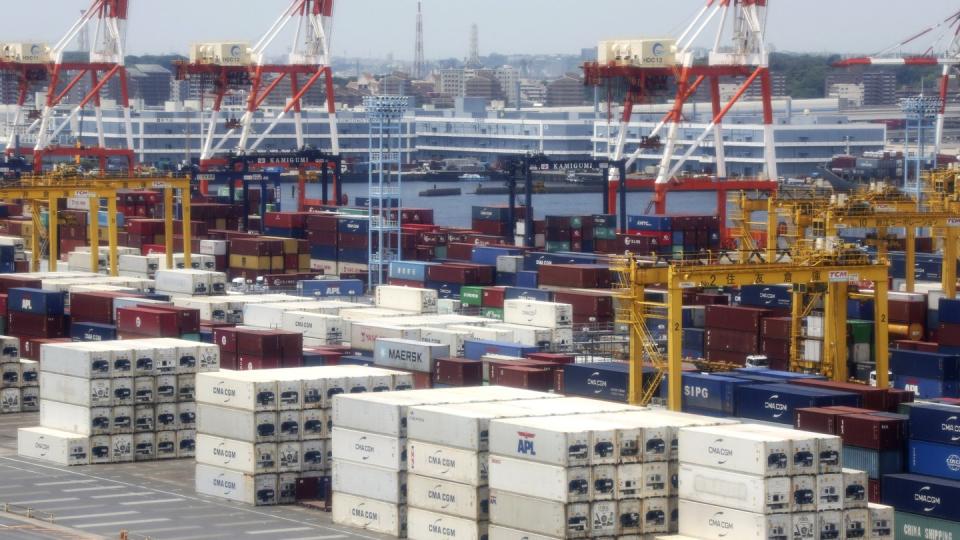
(154, 500)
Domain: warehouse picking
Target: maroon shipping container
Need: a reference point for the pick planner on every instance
(188, 319)
(719, 339)
(95, 307)
(458, 372)
(461, 273)
(493, 297)
(291, 345)
(264, 343)
(743, 319)
(3, 305)
(30, 346)
(35, 325)
(874, 491)
(553, 358)
(896, 396)
(901, 311)
(817, 420)
(228, 360)
(249, 362)
(226, 339)
(708, 299)
(874, 432)
(871, 398)
(459, 251)
(739, 359)
(949, 335)
(581, 276)
(494, 228)
(321, 222)
(775, 348)
(352, 241)
(12, 281)
(255, 247)
(587, 306)
(776, 327)
(285, 220)
(530, 378)
(148, 322)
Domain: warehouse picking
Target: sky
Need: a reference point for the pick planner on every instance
(376, 28)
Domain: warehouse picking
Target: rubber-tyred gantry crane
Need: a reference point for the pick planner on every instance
(240, 66)
(948, 28)
(106, 62)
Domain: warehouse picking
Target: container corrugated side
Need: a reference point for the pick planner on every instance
(499, 532)
(873, 462)
(551, 482)
(362, 513)
(58, 447)
(370, 482)
(919, 527)
(426, 525)
(710, 522)
(447, 463)
(924, 495)
(259, 490)
(460, 425)
(751, 453)
(748, 493)
(446, 497)
(540, 516)
(368, 448)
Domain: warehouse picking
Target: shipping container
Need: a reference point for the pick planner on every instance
(59, 447)
(557, 520)
(742, 452)
(778, 402)
(535, 313)
(934, 459)
(447, 497)
(711, 522)
(446, 463)
(743, 492)
(875, 463)
(256, 490)
(924, 495)
(368, 481)
(935, 422)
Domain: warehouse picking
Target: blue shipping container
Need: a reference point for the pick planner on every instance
(364, 202)
(358, 256)
(949, 310)
(752, 377)
(860, 309)
(285, 233)
(505, 279)
(533, 260)
(933, 459)
(649, 223)
(84, 331)
(355, 360)
(778, 402)
(444, 290)
(875, 463)
(601, 380)
(935, 422)
(37, 301)
(926, 388)
(924, 495)
(526, 293)
(787, 375)
(353, 225)
(766, 296)
(927, 365)
(323, 253)
(330, 287)
(410, 270)
(488, 254)
(528, 279)
(474, 349)
(704, 392)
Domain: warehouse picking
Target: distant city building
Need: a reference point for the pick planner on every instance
(533, 92)
(850, 94)
(730, 85)
(588, 55)
(509, 79)
(565, 92)
(483, 86)
(149, 83)
(396, 84)
(879, 87)
(452, 81)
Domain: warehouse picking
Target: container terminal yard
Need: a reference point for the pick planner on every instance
(242, 349)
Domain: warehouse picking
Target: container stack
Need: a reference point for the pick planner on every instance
(261, 434)
(753, 481)
(732, 333)
(118, 400)
(36, 316)
(19, 379)
(190, 282)
(369, 451)
(925, 498)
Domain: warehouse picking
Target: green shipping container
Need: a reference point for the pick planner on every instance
(471, 296)
(491, 313)
(916, 527)
(558, 246)
(441, 252)
(860, 331)
(353, 211)
(604, 233)
(576, 222)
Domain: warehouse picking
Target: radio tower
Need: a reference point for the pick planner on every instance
(474, 59)
(418, 54)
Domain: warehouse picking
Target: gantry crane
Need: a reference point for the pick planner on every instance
(833, 270)
(948, 61)
(741, 31)
(238, 66)
(106, 63)
(50, 189)
(28, 62)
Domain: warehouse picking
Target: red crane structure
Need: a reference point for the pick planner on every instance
(28, 62)
(948, 28)
(106, 62)
(239, 67)
(738, 50)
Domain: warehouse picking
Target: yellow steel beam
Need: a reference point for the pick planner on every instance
(168, 225)
(911, 259)
(53, 234)
(187, 233)
(112, 235)
(834, 357)
(674, 343)
(881, 336)
(949, 271)
(94, 234)
(35, 236)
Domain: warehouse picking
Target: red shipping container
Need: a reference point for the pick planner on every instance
(530, 378)
(255, 247)
(874, 432)
(817, 420)
(152, 249)
(285, 220)
(495, 228)
(352, 241)
(417, 216)
(896, 396)
(12, 281)
(321, 222)
(874, 399)
(148, 322)
(247, 362)
(30, 346)
(776, 327)
(453, 273)
(587, 306)
(35, 325)
(581, 276)
(188, 319)
(553, 358)
(949, 335)
(3, 305)
(405, 283)
(719, 339)
(228, 360)
(493, 297)
(459, 251)
(291, 345)
(904, 312)
(458, 372)
(259, 343)
(95, 307)
(707, 299)
(775, 348)
(743, 319)
(226, 339)
(875, 491)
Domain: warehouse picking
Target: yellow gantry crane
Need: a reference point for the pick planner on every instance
(50, 189)
(833, 270)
